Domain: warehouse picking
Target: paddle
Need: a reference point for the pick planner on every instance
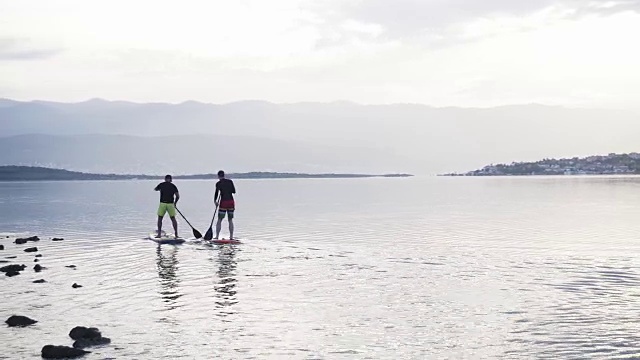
(209, 234)
(196, 233)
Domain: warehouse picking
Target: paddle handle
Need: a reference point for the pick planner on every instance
(215, 211)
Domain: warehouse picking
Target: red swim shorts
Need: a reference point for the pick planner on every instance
(227, 205)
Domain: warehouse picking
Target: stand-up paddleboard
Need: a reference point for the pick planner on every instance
(166, 239)
(225, 241)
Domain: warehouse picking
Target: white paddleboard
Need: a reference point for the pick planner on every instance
(165, 238)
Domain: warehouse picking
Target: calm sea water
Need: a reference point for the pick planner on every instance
(418, 268)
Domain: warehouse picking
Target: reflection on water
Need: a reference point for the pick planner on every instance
(226, 285)
(464, 268)
(167, 264)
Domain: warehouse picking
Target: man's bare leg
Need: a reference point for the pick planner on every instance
(175, 226)
(159, 234)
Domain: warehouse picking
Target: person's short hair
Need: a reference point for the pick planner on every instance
(220, 173)
(167, 177)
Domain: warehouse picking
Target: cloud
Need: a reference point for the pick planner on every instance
(12, 49)
(407, 19)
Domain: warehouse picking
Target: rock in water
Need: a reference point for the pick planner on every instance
(31, 249)
(75, 286)
(81, 332)
(71, 266)
(57, 239)
(85, 343)
(17, 320)
(12, 273)
(36, 260)
(1, 247)
(26, 240)
(62, 352)
(12, 268)
(39, 255)
(38, 268)
(41, 281)
(86, 337)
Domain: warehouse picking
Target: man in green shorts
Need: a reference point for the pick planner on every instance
(167, 203)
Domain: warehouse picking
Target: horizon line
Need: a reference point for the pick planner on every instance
(333, 102)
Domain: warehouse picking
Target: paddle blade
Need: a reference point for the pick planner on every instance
(197, 234)
(209, 234)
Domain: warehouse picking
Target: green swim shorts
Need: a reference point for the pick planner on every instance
(166, 208)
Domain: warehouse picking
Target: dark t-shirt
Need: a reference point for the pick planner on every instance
(167, 191)
(226, 189)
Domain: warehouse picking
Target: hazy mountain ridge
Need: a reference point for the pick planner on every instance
(184, 154)
(408, 137)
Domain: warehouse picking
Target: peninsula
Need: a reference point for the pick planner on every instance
(32, 173)
(612, 164)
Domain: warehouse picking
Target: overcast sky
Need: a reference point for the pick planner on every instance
(435, 52)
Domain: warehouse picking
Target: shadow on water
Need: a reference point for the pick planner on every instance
(226, 285)
(167, 263)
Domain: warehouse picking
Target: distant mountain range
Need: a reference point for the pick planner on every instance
(29, 173)
(192, 137)
(185, 154)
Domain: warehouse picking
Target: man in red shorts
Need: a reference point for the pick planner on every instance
(227, 205)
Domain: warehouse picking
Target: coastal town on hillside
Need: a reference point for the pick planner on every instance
(612, 164)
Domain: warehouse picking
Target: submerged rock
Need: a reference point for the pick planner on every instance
(85, 343)
(39, 255)
(35, 260)
(11, 257)
(71, 266)
(31, 249)
(26, 240)
(75, 286)
(57, 239)
(62, 352)
(12, 267)
(86, 337)
(41, 281)
(18, 320)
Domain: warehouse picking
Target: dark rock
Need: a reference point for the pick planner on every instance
(57, 239)
(11, 257)
(71, 266)
(85, 343)
(26, 240)
(84, 333)
(62, 352)
(41, 281)
(1, 247)
(38, 268)
(35, 260)
(31, 249)
(4, 261)
(86, 337)
(39, 255)
(12, 273)
(75, 286)
(12, 268)
(17, 320)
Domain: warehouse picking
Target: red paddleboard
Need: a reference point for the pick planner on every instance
(225, 241)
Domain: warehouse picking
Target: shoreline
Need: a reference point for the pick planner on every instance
(11, 173)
